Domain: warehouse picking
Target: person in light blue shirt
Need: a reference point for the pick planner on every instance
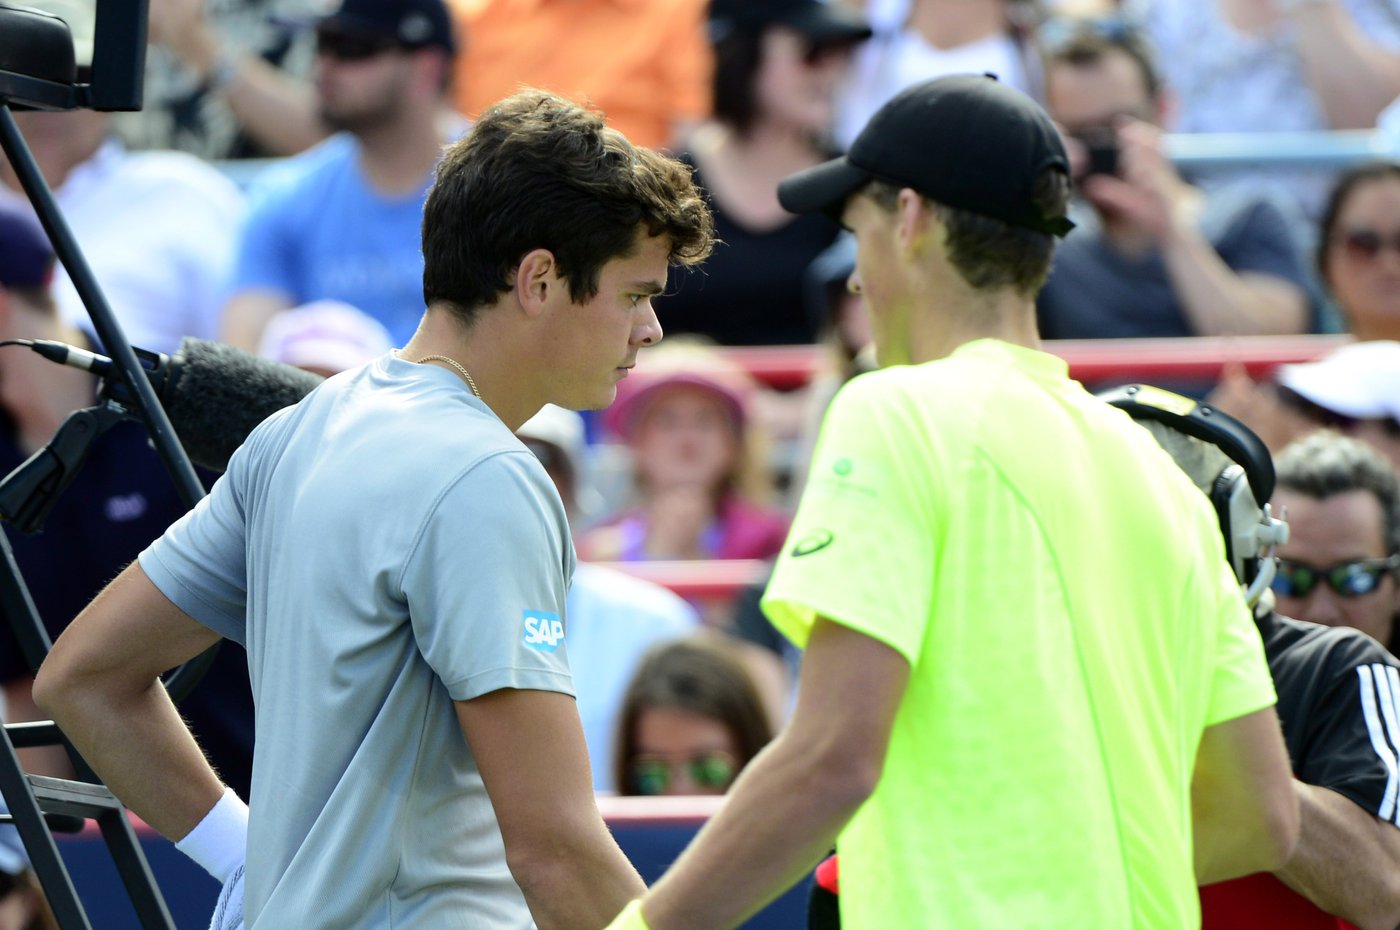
(340, 222)
(319, 230)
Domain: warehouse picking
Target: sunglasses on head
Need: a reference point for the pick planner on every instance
(1349, 579)
(652, 775)
(1367, 244)
(349, 46)
(1059, 32)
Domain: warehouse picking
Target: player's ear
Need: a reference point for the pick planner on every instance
(537, 280)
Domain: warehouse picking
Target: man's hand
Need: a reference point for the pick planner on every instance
(180, 26)
(1142, 197)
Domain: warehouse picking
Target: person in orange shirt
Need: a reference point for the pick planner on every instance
(644, 63)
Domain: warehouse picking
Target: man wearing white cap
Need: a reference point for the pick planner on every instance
(1356, 389)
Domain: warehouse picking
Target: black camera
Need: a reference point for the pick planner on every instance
(1100, 149)
(39, 67)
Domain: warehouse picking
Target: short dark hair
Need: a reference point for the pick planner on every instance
(1324, 464)
(702, 674)
(539, 172)
(1343, 187)
(1088, 45)
(989, 253)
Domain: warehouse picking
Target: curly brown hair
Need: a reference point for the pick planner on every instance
(539, 172)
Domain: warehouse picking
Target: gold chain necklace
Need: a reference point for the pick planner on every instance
(461, 369)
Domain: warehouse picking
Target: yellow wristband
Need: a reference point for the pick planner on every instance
(630, 918)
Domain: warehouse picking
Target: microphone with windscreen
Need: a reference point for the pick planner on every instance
(213, 393)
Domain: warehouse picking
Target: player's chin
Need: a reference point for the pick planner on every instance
(600, 398)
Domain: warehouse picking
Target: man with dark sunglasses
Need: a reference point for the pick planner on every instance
(341, 221)
(1341, 566)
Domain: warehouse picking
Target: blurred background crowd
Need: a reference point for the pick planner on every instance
(269, 195)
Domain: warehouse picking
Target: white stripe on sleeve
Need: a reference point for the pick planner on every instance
(1378, 707)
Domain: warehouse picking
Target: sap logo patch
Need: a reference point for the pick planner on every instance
(543, 631)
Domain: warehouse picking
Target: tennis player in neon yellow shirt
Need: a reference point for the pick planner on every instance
(1032, 694)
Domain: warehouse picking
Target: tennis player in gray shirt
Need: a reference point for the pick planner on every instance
(395, 562)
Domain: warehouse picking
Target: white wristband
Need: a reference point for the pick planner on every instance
(219, 842)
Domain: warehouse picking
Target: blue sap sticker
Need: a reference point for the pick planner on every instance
(543, 631)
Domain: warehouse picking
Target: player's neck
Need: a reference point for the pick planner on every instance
(957, 317)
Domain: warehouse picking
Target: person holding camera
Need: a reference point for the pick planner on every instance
(1153, 254)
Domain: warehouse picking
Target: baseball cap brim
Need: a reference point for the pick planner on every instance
(828, 22)
(823, 188)
(1360, 380)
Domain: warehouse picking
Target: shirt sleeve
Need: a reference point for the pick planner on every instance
(862, 546)
(201, 561)
(1353, 732)
(1241, 684)
(486, 579)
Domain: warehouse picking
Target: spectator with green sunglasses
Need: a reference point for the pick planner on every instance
(1341, 565)
(691, 719)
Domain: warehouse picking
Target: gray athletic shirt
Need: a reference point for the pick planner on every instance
(382, 549)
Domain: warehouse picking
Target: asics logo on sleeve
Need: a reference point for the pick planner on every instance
(812, 542)
(543, 631)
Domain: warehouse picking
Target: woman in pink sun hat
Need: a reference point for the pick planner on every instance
(700, 476)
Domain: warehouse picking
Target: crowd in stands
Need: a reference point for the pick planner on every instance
(316, 263)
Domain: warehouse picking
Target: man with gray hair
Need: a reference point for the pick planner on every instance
(1341, 566)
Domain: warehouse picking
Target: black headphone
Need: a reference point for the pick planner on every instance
(1240, 493)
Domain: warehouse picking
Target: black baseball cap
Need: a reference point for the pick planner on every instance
(966, 141)
(410, 23)
(817, 20)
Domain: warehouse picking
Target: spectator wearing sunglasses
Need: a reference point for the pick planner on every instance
(1356, 389)
(777, 67)
(341, 222)
(1358, 251)
(1341, 564)
(690, 721)
(1154, 255)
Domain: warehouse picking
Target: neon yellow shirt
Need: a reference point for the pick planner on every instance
(1060, 590)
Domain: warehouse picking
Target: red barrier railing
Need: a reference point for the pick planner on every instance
(705, 578)
(1190, 359)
